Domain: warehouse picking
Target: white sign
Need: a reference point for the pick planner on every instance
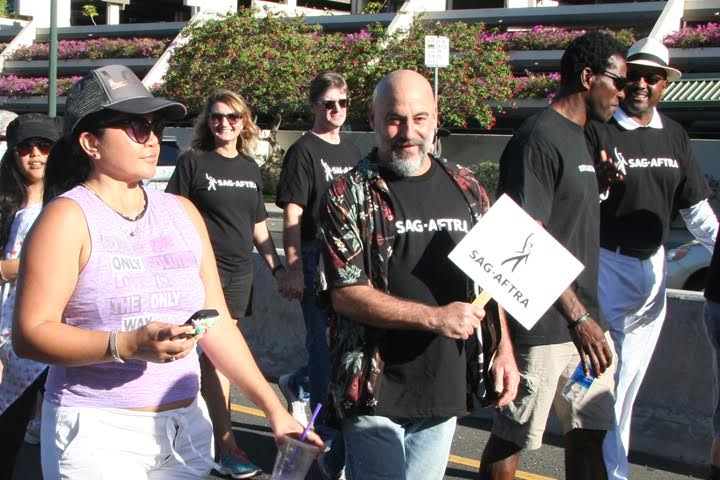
(437, 51)
(517, 261)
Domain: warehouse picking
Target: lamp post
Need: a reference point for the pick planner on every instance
(52, 83)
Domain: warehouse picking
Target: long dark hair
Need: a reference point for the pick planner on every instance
(13, 194)
(68, 165)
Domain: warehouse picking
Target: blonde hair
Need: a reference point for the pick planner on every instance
(203, 138)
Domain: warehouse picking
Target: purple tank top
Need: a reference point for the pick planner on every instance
(138, 271)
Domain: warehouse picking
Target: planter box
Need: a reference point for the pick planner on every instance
(696, 59)
(30, 104)
(35, 68)
(535, 60)
(124, 30)
(684, 59)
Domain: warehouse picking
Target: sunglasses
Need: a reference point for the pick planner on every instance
(330, 104)
(650, 79)
(618, 81)
(232, 118)
(138, 129)
(26, 147)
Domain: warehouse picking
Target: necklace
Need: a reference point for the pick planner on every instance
(129, 219)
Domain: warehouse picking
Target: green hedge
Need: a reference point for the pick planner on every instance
(270, 62)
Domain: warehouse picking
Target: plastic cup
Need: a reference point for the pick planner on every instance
(293, 461)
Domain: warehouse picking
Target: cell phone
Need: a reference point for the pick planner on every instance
(200, 321)
(203, 319)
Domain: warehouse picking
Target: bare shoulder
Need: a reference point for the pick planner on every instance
(62, 215)
(61, 227)
(194, 214)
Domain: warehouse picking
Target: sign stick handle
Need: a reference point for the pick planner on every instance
(482, 299)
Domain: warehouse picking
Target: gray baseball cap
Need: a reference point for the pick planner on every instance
(115, 88)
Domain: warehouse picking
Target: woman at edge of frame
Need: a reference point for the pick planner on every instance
(121, 269)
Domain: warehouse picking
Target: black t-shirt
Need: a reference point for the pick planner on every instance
(228, 194)
(547, 170)
(309, 167)
(424, 373)
(661, 174)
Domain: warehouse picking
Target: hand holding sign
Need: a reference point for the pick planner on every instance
(516, 261)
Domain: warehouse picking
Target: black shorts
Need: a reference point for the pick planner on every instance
(238, 290)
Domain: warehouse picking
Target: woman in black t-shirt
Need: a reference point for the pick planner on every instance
(219, 175)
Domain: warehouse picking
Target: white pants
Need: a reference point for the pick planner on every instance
(632, 298)
(85, 443)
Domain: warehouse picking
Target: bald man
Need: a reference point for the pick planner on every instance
(402, 322)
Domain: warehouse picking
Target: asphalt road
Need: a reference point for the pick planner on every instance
(253, 435)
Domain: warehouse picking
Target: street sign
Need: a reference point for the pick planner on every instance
(437, 51)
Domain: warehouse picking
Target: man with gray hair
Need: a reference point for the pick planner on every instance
(402, 322)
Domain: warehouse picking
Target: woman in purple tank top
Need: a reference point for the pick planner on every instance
(119, 270)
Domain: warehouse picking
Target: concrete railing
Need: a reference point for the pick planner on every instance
(672, 417)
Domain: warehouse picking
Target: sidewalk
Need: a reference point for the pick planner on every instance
(273, 210)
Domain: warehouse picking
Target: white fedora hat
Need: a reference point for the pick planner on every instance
(652, 53)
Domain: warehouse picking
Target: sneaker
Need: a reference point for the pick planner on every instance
(32, 434)
(295, 406)
(237, 465)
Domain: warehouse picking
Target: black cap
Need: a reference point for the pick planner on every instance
(115, 88)
(32, 125)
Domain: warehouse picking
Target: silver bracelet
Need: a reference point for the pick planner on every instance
(113, 348)
(3, 278)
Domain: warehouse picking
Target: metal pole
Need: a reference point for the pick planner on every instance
(52, 83)
(436, 87)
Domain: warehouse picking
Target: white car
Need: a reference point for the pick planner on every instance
(169, 152)
(687, 266)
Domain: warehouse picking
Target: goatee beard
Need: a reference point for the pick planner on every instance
(405, 164)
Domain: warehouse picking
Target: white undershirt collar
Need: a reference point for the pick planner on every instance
(627, 123)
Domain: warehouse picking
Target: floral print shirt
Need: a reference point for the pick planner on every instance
(357, 233)
(18, 373)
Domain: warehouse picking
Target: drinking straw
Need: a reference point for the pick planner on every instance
(311, 422)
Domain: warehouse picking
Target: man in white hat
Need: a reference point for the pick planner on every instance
(647, 169)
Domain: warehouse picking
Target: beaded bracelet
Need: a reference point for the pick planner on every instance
(581, 319)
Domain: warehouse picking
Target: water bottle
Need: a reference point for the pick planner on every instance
(578, 384)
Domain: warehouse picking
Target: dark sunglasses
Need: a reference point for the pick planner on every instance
(26, 147)
(232, 118)
(618, 81)
(330, 104)
(650, 79)
(138, 129)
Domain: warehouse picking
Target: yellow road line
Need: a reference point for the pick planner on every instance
(471, 462)
(248, 410)
(468, 462)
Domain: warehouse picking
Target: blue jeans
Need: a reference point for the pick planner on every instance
(384, 448)
(313, 378)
